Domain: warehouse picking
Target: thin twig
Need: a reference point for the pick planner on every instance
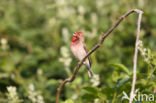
(79, 64)
(135, 55)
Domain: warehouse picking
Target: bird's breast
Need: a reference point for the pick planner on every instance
(78, 51)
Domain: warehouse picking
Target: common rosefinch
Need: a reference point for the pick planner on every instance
(79, 50)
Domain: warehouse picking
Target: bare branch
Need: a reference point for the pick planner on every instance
(79, 64)
(135, 55)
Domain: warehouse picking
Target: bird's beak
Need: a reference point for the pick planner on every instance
(74, 34)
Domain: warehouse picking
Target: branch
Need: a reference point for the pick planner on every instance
(79, 64)
(135, 55)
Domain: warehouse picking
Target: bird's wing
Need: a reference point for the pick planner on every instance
(85, 48)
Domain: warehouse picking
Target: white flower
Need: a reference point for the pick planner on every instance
(31, 87)
(61, 2)
(4, 41)
(95, 80)
(99, 3)
(34, 96)
(96, 100)
(39, 71)
(65, 34)
(12, 95)
(52, 21)
(74, 96)
(65, 59)
(94, 18)
(40, 99)
(143, 51)
(12, 91)
(81, 10)
(140, 44)
(64, 51)
(68, 61)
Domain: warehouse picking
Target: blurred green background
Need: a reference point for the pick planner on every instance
(35, 54)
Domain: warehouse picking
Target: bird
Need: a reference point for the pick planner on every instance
(79, 50)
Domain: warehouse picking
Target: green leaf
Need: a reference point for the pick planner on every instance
(154, 59)
(108, 92)
(68, 101)
(89, 96)
(149, 53)
(121, 67)
(92, 90)
(102, 96)
(123, 81)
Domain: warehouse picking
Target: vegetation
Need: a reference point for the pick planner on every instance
(35, 54)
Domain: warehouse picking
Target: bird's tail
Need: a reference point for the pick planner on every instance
(90, 73)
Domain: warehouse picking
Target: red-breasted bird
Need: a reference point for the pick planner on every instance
(79, 50)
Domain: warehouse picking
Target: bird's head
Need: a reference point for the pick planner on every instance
(78, 36)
